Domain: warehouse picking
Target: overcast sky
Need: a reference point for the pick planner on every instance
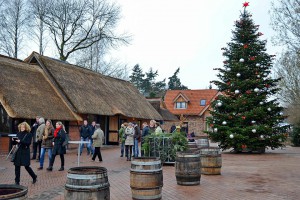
(189, 34)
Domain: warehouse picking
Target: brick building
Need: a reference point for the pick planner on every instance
(191, 107)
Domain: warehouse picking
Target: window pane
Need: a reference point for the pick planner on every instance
(180, 105)
(203, 102)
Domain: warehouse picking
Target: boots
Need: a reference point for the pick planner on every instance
(49, 168)
(61, 168)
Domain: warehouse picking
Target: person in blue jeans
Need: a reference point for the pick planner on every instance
(137, 137)
(85, 134)
(122, 138)
(47, 137)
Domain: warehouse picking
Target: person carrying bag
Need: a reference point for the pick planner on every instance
(22, 153)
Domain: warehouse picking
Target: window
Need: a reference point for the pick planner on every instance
(4, 120)
(180, 105)
(202, 102)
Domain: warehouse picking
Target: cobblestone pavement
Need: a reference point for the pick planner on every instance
(273, 175)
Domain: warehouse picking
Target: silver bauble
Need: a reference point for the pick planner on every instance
(236, 91)
(256, 90)
(242, 60)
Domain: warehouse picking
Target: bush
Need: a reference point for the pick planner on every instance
(296, 136)
(164, 145)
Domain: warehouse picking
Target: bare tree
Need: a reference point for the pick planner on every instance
(285, 20)
(288, 69)
(78, 24)
(39, 9)
(14, 20)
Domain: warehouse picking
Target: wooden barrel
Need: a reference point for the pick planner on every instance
(202, 142)
(187, 168)
(192, 146)
(13, 192)
(87, 183)
(210, 151)
(146, 178)
(211, 160)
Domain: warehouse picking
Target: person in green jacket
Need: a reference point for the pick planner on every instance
(122, 137)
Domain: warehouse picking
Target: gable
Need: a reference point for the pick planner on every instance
(25, 93)
(194, 106)
(93, 93)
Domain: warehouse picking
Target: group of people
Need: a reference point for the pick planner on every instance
(94, 136)
(41, 134)
(130, 135)
(45, 137)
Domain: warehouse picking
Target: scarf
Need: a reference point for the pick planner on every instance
(56, 131)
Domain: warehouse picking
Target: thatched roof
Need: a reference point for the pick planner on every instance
(89, 92)
(159, 105)
(25, 93)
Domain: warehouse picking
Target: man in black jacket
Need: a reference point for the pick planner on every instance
(144, 134)
(137, 137)
(34, 138)
(85, 134)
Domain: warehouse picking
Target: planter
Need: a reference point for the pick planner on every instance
(211, 160)
(192, 146)
(15, 192)
(146, 178)
(87, 183)
(165, 146)
(187, 168)
(202, 142)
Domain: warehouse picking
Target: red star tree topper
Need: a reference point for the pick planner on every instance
(245, 4)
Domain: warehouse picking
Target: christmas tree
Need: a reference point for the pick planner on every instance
(246, 117)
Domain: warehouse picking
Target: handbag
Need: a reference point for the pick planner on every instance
(13, 155)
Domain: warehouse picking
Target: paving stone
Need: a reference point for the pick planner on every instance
(271, 176)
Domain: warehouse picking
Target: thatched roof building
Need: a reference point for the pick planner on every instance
(88, 92)
(25, 92)
(57, 90)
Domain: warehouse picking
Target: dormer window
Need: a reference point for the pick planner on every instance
(202, 102)
(180, 105)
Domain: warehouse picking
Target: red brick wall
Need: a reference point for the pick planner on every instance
(4, 145)
(196, 124)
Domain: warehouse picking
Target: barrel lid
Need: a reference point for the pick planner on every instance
(87, 170)
(9, 191)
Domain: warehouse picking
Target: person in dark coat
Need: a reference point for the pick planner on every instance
(137, 137)
(34, 138)
(145, 132)
(58, 147)
(22, 157)
(92, 130)
(85, 134)
(173, 128)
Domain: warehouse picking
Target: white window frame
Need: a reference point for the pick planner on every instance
(181, 105)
